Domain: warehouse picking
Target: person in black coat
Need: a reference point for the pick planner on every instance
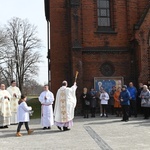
(85, 99)
(111, 100)
(93, 95)
(139, 108)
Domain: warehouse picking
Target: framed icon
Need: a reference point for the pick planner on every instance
(107, 83)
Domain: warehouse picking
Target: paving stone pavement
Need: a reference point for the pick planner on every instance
(86, 134)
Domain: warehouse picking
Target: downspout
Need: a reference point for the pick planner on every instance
(47, 16)
(48, 53)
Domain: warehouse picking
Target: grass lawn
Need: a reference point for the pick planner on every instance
(36, 107)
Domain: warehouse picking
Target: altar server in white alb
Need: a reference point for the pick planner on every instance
(15, 96)
(64, 106)
(46, 98)
(5, 112)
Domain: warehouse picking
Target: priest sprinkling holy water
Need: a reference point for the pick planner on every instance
(64, 106)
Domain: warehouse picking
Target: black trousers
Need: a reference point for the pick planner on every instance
(111, 109)
(20, 124)
(139, 108)
(118, 111)
(125, 111)
(86, 111)
(104, 109)
(93, 109)
(133, 108)
(146, 112)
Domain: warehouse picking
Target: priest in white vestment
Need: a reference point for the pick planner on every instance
(15, 96)
(5, 111)
(46, 98)
(64, 106)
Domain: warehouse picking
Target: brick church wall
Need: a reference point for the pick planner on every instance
(77, 44)
(60, 43)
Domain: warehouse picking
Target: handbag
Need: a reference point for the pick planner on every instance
(87, 103)
(143, 101)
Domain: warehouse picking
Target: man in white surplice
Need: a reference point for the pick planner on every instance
(64, 106)
(5, 111)
(46, 98)
(15, 96)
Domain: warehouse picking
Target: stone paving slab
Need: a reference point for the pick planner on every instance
(86, 134)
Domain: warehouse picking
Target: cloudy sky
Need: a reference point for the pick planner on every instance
(33, 10)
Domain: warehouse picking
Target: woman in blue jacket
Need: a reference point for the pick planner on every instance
(125, 102)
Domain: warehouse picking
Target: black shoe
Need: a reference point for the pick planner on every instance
(1, 127)
(59, 128)
(5, 126)
(65, 129)
(122, 120)
(14, 124)
(146, 117)
(44, 128)
(49, 128)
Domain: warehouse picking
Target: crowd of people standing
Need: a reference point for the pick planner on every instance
(125, 101)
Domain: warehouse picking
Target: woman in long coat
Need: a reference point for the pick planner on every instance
(85, 99)
(117, 105)
(145, 101)
(93, 101)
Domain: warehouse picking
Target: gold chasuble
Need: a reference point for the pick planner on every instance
(15, 96)
(5, 111)
(5, 103)
(63, 106)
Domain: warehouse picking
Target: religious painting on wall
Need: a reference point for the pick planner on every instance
(107, 83)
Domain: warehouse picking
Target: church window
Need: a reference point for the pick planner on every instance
(104, 13)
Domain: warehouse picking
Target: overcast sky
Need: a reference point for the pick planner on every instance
(33, 10)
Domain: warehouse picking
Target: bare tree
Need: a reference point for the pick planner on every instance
(31, 87)
(3, 45)
(22, 55)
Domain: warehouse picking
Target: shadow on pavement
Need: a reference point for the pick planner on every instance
(37, 131)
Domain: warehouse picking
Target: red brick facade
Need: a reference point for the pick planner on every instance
(78, 44)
